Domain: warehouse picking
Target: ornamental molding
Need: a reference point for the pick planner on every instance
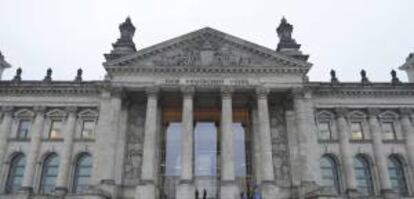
(37, 88)
(206, 48)
(356, 90)
(115, 70)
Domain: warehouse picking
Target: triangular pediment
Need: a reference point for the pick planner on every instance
(207, 47)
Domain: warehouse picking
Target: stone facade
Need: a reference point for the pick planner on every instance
(290, 126)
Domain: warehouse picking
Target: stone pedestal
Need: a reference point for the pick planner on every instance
(229, 190)
(146, 190)
(185, 190)
(269, 190)
(389, 194)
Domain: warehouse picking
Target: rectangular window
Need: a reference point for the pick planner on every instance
(23, 129)
(356, 131)
(388, 130)
(88, 127)
(325, 130)
(56, 129)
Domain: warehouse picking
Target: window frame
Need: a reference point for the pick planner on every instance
(93, 130)
(360, 124)
(12, 169)
(335, 170)
(402, 177)
(330, 133)
(18, 132)
(74, 185)
(22, 114)
(45, 168)
(325, 116)
(393, 129)
(86, 115)
(368, 171)
(51, 123)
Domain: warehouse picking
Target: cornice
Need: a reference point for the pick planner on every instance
(359, 90)
(57, 88)
(119, 70)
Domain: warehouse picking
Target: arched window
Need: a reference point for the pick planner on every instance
(83, 171)
(15, 177)
(49, 173)
(330, 174)
(397, 177)
(363, 176)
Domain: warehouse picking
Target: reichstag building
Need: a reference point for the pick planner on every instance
(206, 115)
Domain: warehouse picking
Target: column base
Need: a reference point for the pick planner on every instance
(185, 190)
(229, 190)
(26, 190)
(61, 191)
(389, 194)
(351, 193)
(146, 190)
(269, 190)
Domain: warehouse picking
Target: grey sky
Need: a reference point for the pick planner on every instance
(345, 35)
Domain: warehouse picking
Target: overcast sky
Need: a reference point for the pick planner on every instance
(346, 35)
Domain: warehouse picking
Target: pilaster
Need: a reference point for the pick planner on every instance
(6, 117)
(345, 151)
(35, 142)
(64, 168)
(377, 147)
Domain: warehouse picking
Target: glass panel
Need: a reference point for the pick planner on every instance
(88, 128)
(49, 173)
(239, 149)
(324, 131)
(329, 173)
(83, 172)
(356, 131)
(15, 177)
(23, 129)
(397, 176)
(363, 176)
(205, 149)
(55, 129)
(173, 150)
(388, 130)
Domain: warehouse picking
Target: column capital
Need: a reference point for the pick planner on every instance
(262, 92)
(341, 112)
(152, 91)
(188, 91)
(405, 112)
(7, 109)
(226, 91)
(39, 109)
(71, 110)
(373, 112)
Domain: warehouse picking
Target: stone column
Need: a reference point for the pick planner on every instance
(307, 140)
(228, 187)
(5, 127)
(379, 156)
(66, 161)
(408, 130)
(36, 136)
(106, 140)
(147, 188)
(269, 190)
(186, 187)
(345, 151)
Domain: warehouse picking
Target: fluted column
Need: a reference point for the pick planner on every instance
(36, 135)
(5, 127)
(268, 188)
(379, 155)
(64, 168)
(228, 187)
(345, 151)
(186, 188)
(147, 188)
(408, 130)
